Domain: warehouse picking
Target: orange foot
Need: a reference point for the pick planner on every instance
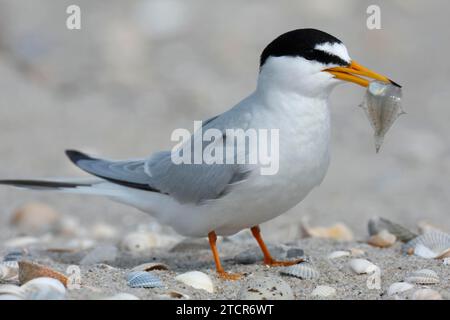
(276, 263)
(229, 276)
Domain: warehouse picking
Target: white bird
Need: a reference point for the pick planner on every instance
(298, 71)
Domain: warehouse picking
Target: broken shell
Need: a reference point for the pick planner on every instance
(430, 245)
(139, 241)
(323, 291)
(302, 270)
(197, 280)
(44, 289)
(382, 105)
(426, 294)
(265, 288)
(122, 296)
(150, 266)
(8, 273)
(35, 217)
(143, 279)
(399, 287)
(424, 276)
(378, 224)
(29, 270)
(9, 289)
(338, 254)
(383, 239)
(362, 266)
(339, 231)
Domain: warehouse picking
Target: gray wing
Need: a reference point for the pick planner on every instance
(187, 183)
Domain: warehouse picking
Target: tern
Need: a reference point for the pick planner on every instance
(298, 70)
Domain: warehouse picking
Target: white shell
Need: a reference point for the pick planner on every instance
(431, 245)
(362, 266)
(302, 270)
(9, 289)
(323, 291)
(338, 254)
(139, 241)
(399, 287)
(265, 288)
(424, 276)
(197, 280)
(44, 289)
(122, 296)
(426, 294)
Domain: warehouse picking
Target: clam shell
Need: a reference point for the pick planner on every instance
(323, 291)
(338, 254)
(197, 280)
(44, 289)
(383, 239)
(265, 288)
(399, 287)
(426, 294)
(378, 224)
(143, 279)
(151, 266)
(382, 105)
(430, 245)
(302, 270)
(424, 276)
(362, 266)
(29, 270)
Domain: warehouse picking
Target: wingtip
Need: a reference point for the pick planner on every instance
(75, 155)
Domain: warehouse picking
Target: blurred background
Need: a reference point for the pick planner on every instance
(139, 69)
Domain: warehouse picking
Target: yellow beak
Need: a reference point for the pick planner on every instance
(354, 70)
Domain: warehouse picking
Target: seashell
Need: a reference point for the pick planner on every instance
(383, 239)
(9, 289)
(103, 231)
(378, 224)
(100, 254)
(430, 245)
(399, 287)
(122, 296)
(424, 276)
(151, 266)
(323, 291)
(20, 242)
(382, 105)
(338, 254)
(197, 280)
(302, 270)
(29, 270)
(139, 241)
(8, 273)
(265, 288)
(35, 217)
(362, 266)
(143, 279)
(426, 294)
(44, 289)
(339, 231)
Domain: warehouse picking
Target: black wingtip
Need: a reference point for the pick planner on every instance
(76, 156)
(395, 83)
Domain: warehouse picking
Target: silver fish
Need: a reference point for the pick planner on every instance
(382, 104)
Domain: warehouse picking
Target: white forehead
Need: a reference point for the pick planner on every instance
(337, 49)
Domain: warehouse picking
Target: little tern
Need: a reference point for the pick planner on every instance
(298, 71)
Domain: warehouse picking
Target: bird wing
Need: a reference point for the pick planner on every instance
(187, 183)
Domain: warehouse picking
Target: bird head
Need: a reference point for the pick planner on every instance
(311, 62)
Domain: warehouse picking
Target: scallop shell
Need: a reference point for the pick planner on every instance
(338, 254)
(44, 288)
(143, 279)
(399, 287)
(122, 296)
(430, 245)
(382, 105)
(323, 291)
(378, 224)
(426, 294)
(424, 276)
(362, 266)
(197, 280)
(302, 270)
(29, 270)
(383, 239)
(150, 266)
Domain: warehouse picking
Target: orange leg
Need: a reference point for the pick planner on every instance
(268, 260)
(220, 271)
